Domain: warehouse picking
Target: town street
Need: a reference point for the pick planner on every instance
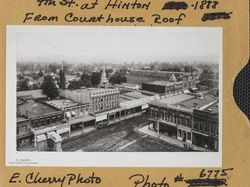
(122, 136)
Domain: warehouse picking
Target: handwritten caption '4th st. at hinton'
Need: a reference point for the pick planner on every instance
(138, 6)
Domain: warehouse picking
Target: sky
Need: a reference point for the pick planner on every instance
(117, 44)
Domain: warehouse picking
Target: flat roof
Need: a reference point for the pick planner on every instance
(129, 84)
(197, 102)
(163, 83)
(21, 119)
(33, 109)
(135, 94)
(20, 101)
(214, 108)
(123, 99)
(171, 100)
(127, 98)
(94, 90)
(148, 72)
(33, 93)
(62, 103)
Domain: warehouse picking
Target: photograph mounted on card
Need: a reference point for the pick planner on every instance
(143, 96)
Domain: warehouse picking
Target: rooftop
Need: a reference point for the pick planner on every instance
(138, 102)
(94, 90)
(62, 103)
(171, 100)
(129, 85)
(20, 101)
(199, 103)
(21, 119)
(157, 73)
(36, 94)
(214, 108)
(134, 95)
(33, 109)
(163, 83)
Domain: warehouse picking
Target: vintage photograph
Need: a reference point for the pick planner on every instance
(117, 89)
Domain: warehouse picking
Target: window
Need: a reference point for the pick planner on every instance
(212, 129)
(206, 127)
(201, 126)
(43, 122)
(54, 119)
(196, 125)
(73, 113)
(152, 113)
(189, 135)
(162, 115)
(179, 133)
(170, 118)
(35, 122)
(181, 120)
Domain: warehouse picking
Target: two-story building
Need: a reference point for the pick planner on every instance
(206, 127)
(45, 123)
(77, 114)
(174, 116)
(24, 136)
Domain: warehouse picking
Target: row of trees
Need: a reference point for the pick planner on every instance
(50, 86)
(207, 78)
(94, 79)
(86, 80)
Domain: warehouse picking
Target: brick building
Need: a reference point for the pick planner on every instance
(142, 76)
(206, 127)
(178, 117)
(41, 125)
(99, 99)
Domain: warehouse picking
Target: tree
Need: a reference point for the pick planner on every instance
(188, 68)
(108, 72)
(207, 78)
(95, 78)
(49, 87)
(52, 68)
(40, 74)
(62, 79)
(86, 80)
(118, 78)
(75, 85)
(23, 85)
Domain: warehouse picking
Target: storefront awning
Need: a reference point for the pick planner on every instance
(61, 131)
(101, 118)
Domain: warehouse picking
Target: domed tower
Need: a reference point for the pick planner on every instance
(104, 81)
